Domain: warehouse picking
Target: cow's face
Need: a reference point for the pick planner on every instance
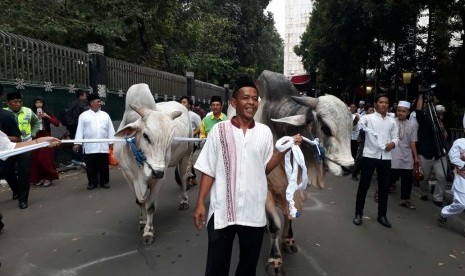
(328, 119)
(154, 133)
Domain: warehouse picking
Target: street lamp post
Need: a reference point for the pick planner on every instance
(406, 78)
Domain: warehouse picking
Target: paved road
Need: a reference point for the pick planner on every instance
(68, 230)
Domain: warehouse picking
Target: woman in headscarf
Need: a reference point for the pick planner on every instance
(43, 163)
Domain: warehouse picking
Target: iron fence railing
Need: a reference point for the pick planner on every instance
(32, 61)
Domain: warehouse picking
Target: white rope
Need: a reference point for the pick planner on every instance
(292, 170)
(8, 153)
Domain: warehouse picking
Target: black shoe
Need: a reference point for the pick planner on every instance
(424, 197)
(23, 205)
(442, 220)
(354, 178)
(438, 203)
(91, 187)
(384, 222)
(105, 186)
(357, 219)
(15, 196)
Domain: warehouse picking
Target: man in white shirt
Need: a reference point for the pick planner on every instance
(234, 163)
(381, 136)
(361, 108)
(95, 124)
(457, 158)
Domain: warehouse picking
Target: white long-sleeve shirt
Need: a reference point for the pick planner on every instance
(5, 143)
(454, 156)
(387, 132)
(95, 125)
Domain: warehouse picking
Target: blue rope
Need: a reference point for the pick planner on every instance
(138, 153)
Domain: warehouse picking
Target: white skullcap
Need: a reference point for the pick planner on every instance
(404, 104)
(440, 108)
(361, 102)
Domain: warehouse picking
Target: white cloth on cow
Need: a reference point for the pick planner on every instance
(95, 125)
(237, 162)
(292, 170)
(379, 132)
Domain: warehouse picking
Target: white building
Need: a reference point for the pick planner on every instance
(296, 20)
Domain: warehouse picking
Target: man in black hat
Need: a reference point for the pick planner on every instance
(95, 124)
(29, 125)
(216, 106)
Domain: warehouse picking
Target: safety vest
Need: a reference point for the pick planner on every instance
(23, 117)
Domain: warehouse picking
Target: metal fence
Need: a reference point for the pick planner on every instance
(37, 63)
(27, 62)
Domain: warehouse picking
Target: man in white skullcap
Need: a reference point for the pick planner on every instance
(361, 108)
(404, 156)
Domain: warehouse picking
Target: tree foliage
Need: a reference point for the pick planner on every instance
(346, 39)
(217, 40)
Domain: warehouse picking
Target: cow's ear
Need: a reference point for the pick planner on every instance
(128, 131)
(297, 120)
(175, 114)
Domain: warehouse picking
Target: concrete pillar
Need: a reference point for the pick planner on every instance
(98, 69)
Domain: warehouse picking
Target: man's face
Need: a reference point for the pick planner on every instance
(371, 110)
(246, 102)
(216, 108)
(353, 108)
(402, 113)
(185, 102)
(382, 105)
(83, 97)
(95, 105)
(15, 104)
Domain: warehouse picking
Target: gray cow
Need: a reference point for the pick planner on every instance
(326, 118)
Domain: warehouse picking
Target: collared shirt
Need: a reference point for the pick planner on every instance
(454, 155)
(208, 122)
(402, 156)
(386, 130)
(237, 162)
(95, 125)
(5, 143)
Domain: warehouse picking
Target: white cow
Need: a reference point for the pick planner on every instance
(153, 127)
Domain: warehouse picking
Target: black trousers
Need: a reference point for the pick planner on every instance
(17, 172)
(358, 159)
(383, 168)
(98, 172)
(353, 148)
(220, 244)
(406, 180)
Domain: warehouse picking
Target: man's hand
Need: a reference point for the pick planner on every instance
(199, 216)
(390, 146)
(53, 142)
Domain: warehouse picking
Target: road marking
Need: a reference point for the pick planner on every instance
(73, 271)
(312, 261)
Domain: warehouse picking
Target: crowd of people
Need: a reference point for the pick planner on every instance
(389, 138)
(402, 140)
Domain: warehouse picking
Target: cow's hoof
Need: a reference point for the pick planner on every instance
(183, 206)
(288, 246)
(274, 267)
(148, 238)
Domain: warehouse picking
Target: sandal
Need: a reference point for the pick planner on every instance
(407, 204)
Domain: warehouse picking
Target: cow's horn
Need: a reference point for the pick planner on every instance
(296, 120)
(140, 110)
(306, 101)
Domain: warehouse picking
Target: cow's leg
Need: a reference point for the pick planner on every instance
(275, 260)
(142, 216)
(148, 236)
(182, 170)
(288, 243)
